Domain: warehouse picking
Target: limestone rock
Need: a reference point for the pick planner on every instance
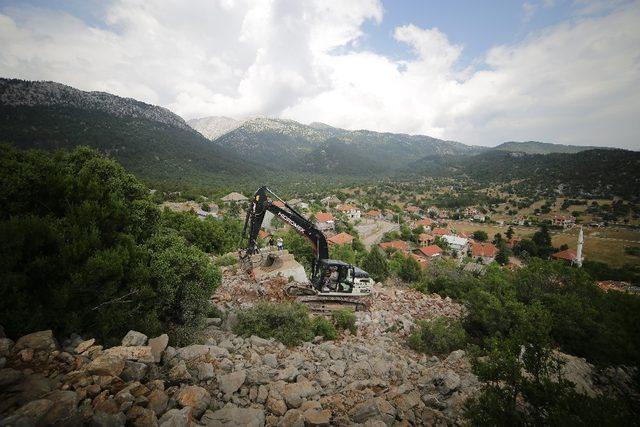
(138, 353)
(205, 371)
(106, 364)
(84, 345)
(293, 418)
(176, 418)
(200, 350)
(179, 372)
(104, 419)
(133, 371)
(63, 408)
(230, 383)
(157, 401)
(134, 338)
(231, 416)
(29, 414)
(158, 345)
(293, 393)
(194, 396)
(5, 346)
(374, 408)
(9, 376)
(42, 340)
(320, 418)
(276, 405)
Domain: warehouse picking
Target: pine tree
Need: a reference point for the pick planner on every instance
(376, 265)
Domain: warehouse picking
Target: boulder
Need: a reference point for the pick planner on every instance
(133, 371)
(106, 364)
(231, 416)
(376, 408)
(5, 346)
(158, 345)
(104, 419)
(63, 409)
(293, 393)
(293, 418)
(275, 404)
(270, 360)
(42, 340)
(447, 382)
(230, 383)
(134, 338)
(258, 342)
(29, 414)
(205, 371)
(315, 417)
(157, 401)
(199, 350)
(179, 372)
(84, 345)
(9, 376)
(146, 418)
(176, 418)
(194, 396)
(138, 353)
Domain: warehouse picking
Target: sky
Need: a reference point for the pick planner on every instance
(478, 72)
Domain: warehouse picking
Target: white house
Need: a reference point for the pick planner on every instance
(350, 211)
(456, 243)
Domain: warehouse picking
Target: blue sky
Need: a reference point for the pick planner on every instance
(479, 72)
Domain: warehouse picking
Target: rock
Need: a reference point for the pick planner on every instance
(138, 353)
(230, 322)
(42, 340)
(176, 418)
(231, 382)
(293, 393)
(157, 401)
(293, 418)
(158, 346)
(231, 416)
(103, 419)
(276, 405)
(447, 382)
(3, 362)
(29, 414)
(179, 372)
(579, 372)
(373, 408)
(5, 346)
(26, 355)
(84, 345)
(9, 376)
(63, 408)
(133, 371)
(324, 378)
(270, 360)
(288, 374)
(134, 338)
(194, 396)
(214, 321)
(169, 354)
(338, 367)
(205, 371)
(146, 418)
(106, 364)
(199, 350)
(263, 393)
(259, 342)
(314, 417)
(455, 356)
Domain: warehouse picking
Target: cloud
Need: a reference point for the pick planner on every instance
(577, 82)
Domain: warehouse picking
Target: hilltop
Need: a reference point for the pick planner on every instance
(536, 147)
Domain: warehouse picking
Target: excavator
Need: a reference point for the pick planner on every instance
(333, 284)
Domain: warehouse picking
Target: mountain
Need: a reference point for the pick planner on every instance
(214, 127)
(287, 144)
(535, 147)
(150, 141)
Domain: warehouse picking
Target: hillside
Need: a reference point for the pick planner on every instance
(535, 147)
(292, 145)
(150, 141)
(214, 127)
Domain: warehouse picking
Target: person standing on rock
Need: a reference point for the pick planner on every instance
(271, 243)
(280, 244)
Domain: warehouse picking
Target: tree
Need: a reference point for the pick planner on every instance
(480, 236)
(502, 257)
(509, 233)
(497, 239)
(542, 239)
(410, 270)
(376, 265)
(343, 253)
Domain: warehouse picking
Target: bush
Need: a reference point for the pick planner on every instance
(226, 260)
(345, 319)
(440, 336)
(376, 265)
(288, 323)
(410, 270)
(324, 328)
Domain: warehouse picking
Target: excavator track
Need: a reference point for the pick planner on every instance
(326, 303)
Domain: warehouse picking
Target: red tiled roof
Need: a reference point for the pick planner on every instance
(488, 250)
(278, 203)
(345, 208)
(425, 222)
(430, 251)
(263, 234)
(567, 255)
(324, 216)
(341, 239)
(424, 237)
(372, 212)
(396, 244)
(412, 209)
(421, 260)
(440, 232)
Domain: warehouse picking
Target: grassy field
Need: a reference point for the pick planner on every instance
(605, 245)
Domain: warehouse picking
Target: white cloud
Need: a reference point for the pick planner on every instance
(578, 82)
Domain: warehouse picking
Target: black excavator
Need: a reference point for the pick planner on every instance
(333, 284)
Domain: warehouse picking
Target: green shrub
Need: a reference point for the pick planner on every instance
(345, 319)
(214, 312)
(441, 336)
(410, 271)
(226, 260)
(324, 328)
(375, 263)
(288, 323)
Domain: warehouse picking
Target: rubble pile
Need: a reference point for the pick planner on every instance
(238, 290)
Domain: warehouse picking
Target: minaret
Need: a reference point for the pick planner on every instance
(579, 250)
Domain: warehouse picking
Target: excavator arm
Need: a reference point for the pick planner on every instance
(255, 216)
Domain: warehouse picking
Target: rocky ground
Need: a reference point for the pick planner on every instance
(369, 379)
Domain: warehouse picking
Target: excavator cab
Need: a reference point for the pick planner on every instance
(337, 277)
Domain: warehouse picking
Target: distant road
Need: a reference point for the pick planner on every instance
(371, 233)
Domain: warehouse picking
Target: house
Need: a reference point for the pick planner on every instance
(456, 243)
(325, 221)
(423, 262)
(340, 239)
(474, 268)
(425, 239)
(563, 221)
(203, 214)
(279, 204)
(389, 215)
(330, 201)
(299, 204)
(433, 210)
(350, 211)
(440, 232)
(234, 198)
(413, 210)
(519, 220)
(569, 256)
(427, 223)
(263, 235)
(373, 214)
(486, 252)
(512, 243)
(398, 245)
(429, 252)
